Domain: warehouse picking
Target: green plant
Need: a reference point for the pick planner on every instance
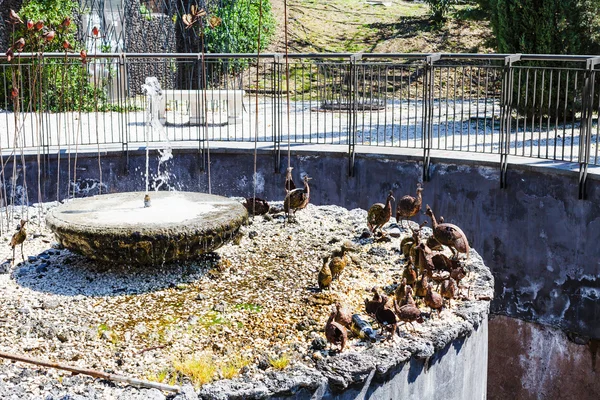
(546, 27)
(50, 84)
(439, 8)
(280, 362)
(248, 307)
(241, 22)
(145, 12)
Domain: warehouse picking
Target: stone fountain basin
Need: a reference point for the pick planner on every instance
(178, 226)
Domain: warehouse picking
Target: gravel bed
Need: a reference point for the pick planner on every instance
(256, 301)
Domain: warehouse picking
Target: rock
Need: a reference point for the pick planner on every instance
(187, 393)
(263, 363)
(394, 232)
(252, 234)
(42, 268)
(5, 267)
(365, 234)
(32, 259)
(378, 251)
(318, 343)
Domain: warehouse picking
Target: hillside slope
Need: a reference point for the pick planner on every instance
(362, 26)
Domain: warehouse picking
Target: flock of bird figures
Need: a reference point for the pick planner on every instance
(427, 264)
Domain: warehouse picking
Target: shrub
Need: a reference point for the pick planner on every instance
(546, 27)
(65, 82)
(239, 29)
(439, 8)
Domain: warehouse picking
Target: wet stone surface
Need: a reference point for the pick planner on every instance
(257, 301)
(118, 228)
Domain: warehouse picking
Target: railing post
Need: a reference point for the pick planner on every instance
(353, 114)
(277, 109)
(505, 114)
(428, 94)
(122, 115)
(201, 104)
(585, 137)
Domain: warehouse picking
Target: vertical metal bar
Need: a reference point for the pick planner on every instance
(353, 114)
(277, 120)
(586, 124)
(428, 95)
(505, 118)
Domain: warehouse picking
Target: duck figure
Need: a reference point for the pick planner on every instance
(379, 214)
(18, 238)
(409, 206)
(335, 333)
(256, 206)
(297, 199)
(449, 235)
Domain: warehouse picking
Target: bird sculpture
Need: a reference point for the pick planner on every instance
(409, 206)
(400, 291)
(408, 297)
(289, 181)
(449, 235)
(421, 286)
(387, 319)
(409, 243)
(449, 290)
(18, 238)
(256, 206)
(408, 313)
(13, 18)
(343, 316)
(325, 277)
(424, 258)
(339, 259)
(433, 299)
(379, 214)
(378, 300)
(335, 333)
(297, 199)
(410, 273)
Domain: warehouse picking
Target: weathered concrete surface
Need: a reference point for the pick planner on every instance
(532, 361)
(118, 228)
(538, 239)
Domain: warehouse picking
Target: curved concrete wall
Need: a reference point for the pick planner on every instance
(539, 240)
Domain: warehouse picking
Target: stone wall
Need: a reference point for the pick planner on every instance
(149, 33)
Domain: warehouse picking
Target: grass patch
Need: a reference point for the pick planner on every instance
(248, 307)
(232, 368)
(200, 370)
(212, 318)
(280, 362)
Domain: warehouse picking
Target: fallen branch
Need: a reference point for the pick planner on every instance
(94, 373)
(162, 346)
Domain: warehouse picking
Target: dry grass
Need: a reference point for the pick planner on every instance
(356, 26)
(200, 369)
(232, 367)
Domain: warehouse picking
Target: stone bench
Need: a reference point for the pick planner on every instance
(187, 106)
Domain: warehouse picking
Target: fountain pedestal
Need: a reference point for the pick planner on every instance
(178, 226)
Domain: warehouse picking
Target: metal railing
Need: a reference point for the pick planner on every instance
(537, 106)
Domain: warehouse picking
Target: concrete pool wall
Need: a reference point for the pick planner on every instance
(537, 237)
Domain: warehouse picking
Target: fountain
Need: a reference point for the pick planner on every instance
(137, 228)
